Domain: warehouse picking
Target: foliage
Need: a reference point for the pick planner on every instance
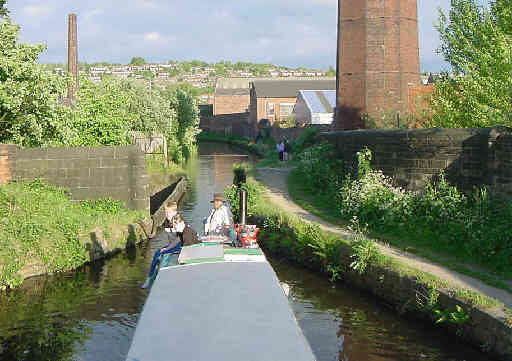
(240, 171)
(306, 139)
(459, 316)
(472, 227)
(476, 42)
(364, 251)
(137, 60)
(254, 192)
(34, 229)
(3, 9)
(331, 72)
(102, 114)
(29, 111)
(288, 122)
(319, 169)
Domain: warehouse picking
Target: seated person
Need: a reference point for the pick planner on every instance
(173, 241)
(186, 233)
(171, 210)
(219, 222)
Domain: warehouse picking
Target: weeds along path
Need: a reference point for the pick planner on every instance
(275, 181)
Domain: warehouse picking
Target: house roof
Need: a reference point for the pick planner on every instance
(289, 88)
(231, 92)
(320, 101)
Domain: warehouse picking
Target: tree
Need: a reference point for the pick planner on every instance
(137, 60)
(331, 71)
(29, 111)
(476, 41)
(3, 9)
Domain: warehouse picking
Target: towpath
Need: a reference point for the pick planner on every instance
(275, 181)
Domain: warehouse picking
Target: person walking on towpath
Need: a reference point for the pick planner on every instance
(280, 150)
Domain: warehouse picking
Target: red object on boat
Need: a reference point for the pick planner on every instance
(247, 235)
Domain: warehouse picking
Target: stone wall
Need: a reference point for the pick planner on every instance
(88, 172)
(470, 157)
(228, 124)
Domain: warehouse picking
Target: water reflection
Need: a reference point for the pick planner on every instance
(343, 324)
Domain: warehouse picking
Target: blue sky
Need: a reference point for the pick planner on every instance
(284, 32)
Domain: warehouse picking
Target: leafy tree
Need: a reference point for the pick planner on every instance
(29, 111)
(331, 71)
(137, 60)
(477, 43)
(3, 8)
(102, 113)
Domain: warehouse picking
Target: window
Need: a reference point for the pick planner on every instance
(270, 110)
(285, 109)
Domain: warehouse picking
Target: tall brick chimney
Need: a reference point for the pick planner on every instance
(72, 55)
(378, 58)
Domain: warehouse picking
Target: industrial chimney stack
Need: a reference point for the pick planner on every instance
(378, 59)
(72, 56)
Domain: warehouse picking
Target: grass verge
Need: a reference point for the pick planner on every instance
(322, 207)
(41, 227)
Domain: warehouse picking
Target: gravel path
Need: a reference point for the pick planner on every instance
(275, 181)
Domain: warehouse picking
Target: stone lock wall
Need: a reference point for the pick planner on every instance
(469, 157)
(88, 172)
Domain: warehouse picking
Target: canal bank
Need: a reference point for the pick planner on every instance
(407, 283)
(90, 314)
(58, 242)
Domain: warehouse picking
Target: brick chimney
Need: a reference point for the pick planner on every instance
(72, 56)
(378, 58)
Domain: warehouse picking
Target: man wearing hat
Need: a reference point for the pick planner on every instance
(219, 222)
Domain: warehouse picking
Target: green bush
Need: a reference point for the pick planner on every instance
(473, 227)
(306, 139)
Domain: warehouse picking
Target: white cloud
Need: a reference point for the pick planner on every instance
(37, 10)
(154, 36)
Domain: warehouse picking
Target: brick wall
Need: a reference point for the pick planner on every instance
(229, 104)
(88, 172)
(7, 158)
(378, 57)
(258, 108)
(470, 157)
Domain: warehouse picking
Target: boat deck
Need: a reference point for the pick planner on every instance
(227, 307)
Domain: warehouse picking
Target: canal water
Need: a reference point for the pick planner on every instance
(91, 314)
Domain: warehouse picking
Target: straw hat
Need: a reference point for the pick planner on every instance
(218, 197)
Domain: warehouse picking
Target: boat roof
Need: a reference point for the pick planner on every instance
(230, 310)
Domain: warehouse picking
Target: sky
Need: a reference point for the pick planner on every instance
(283, 32)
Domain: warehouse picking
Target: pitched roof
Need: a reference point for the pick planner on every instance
(290, 88)
(320, 101)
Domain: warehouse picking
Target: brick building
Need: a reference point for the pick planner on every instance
(231, 95)
(378, 59)
(274, 99)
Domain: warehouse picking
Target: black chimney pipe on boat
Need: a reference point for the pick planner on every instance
(243, 206)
